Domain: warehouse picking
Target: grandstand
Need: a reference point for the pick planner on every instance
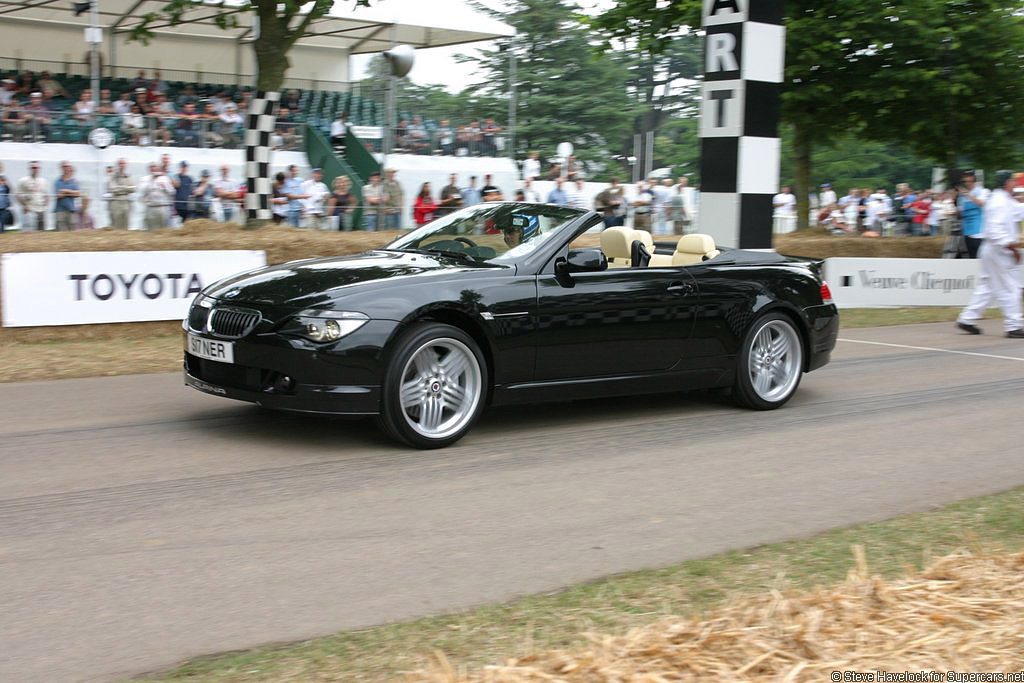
(35, 37)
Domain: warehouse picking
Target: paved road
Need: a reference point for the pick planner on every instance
(142, 523)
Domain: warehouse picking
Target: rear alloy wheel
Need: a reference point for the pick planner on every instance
(434, 386)
(771, 364)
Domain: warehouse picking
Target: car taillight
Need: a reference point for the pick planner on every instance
(826, 293)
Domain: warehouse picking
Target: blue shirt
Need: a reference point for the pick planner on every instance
(559, 197)
(65, 203)
(184, 190)
(970, 217)
(470, 196)
(293, 186)
(5, 197)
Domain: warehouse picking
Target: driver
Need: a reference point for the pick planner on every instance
(520, 228)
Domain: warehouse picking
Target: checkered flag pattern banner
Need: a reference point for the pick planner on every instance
(744, 51)
(259, 128)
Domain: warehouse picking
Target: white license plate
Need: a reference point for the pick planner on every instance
(211, 349)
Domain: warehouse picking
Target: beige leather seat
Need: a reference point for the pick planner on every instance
(615, 244)
(690, 249)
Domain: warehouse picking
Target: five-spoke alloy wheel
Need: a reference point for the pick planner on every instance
(771, 363)
(434, 388)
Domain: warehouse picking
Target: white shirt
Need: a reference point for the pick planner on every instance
(1002, 213)
(338, 128)
(122, 107)
(225, 185)
(531, 169)
(156, 191)
(788, 204)
(6, 96)
(317, 192)
(532, 196)
(32, 193)
(576, 198)
(662, 197)
(882, 201)
(827, 198)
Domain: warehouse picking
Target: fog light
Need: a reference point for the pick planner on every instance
(284, 383)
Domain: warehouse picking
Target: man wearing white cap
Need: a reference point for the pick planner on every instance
(999, 260)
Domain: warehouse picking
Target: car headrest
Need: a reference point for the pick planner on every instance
(646, 238)
(615, 242)
(696, 244)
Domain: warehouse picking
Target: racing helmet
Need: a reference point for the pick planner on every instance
(528, 223)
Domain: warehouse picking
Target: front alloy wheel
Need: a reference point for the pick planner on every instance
(434, 387)
(771, 365)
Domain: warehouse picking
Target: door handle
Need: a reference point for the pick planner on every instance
(680, 287)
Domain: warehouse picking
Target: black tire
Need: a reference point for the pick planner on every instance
(744, 391)
(394, 420)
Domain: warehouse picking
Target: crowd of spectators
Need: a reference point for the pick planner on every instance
(476, 138)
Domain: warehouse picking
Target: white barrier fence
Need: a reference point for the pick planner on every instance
(74, 288)
(881, 282)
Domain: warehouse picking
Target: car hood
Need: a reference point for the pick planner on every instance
(310, 282)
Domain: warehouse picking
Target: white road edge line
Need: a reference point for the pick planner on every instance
(929, 348)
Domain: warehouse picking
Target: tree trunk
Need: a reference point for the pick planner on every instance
(272, 63)
(802, 186)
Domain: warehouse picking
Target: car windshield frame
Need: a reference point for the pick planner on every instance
(469, 222)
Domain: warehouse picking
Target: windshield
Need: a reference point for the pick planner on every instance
(496, 232)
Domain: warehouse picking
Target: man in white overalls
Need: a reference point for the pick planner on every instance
(999, 260)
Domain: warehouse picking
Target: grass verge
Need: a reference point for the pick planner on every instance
(558, 621)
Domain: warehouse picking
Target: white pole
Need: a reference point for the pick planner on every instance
(95, 56)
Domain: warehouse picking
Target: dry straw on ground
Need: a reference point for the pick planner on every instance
(962, 613)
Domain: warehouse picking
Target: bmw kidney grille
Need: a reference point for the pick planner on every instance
(232, 323)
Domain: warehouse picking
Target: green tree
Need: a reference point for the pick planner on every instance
(941, 77)
(566, 91)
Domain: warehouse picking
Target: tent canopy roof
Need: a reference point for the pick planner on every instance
(421, 24)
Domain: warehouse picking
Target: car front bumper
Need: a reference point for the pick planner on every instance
(285, 373)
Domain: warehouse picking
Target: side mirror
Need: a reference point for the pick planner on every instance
(583, 261)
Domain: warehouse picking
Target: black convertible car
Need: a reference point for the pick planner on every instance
(495, 304)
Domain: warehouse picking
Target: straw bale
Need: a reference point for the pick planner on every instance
(963, 612)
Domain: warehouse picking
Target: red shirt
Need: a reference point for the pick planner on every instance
(423, 210)
(921, 210)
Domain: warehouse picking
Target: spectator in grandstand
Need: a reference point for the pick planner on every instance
(284, 115)
(290, 139)
(339, 131)
(462, 142)
(84, 219)
(246, 98)
(186, 132)
(611, 202)
(573, 168)
(124, 104)
(133, 124)
(294, 191)
(32, 195)
(531, 166)
(393, 201)
(279, 199)
(446, 138)
(158, 84)
(554, 171)
(187, 96)
(229, 125)
(9, 92)
(159, 104)
(577, 196)
(6, 215)
(316, 197)
(473, 136)
(202, 196)
(106, 105)
(400, 132)
(208, 120)
(49, 84)
(291, 100)
(470, 193)
(83, 107)
(26, 83)
(520, 196)
(416, 139)
(120, 188)
(451, 197)
(642, 204)
(66, 192)
(424, 207)
(13, 121)
(373, 198)
(489, 137)
(226, 190)
(37, 116)
(184, 184)
(140, 80)
(971, 199)
(557, 194)
(341, 203)
(490, 192)
(529, 194)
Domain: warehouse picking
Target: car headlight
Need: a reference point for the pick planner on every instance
(325, 326)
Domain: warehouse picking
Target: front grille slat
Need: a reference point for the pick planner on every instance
(232, 323)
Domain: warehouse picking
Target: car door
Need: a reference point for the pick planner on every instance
(622, 321)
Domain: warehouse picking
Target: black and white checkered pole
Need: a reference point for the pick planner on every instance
(259, 127)
(744, 51)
